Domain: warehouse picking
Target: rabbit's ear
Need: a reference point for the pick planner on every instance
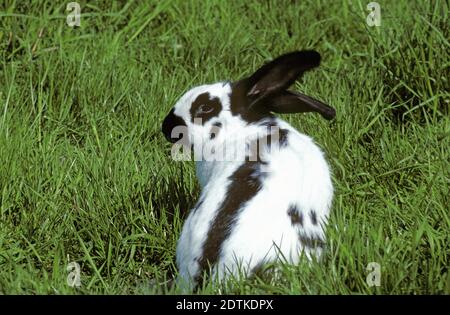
(280, 73)
(286, 102)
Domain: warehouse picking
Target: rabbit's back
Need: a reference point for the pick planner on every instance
(287, 214)
(256, 210)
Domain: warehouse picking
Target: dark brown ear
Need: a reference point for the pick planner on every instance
(286, 102)
(280, 73)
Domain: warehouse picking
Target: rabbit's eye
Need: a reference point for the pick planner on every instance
(204, 109)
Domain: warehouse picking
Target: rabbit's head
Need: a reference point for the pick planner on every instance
(202, 112)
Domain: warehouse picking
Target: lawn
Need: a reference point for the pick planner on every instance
(86, 175)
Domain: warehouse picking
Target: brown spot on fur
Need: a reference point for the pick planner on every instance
(313, 217)
(295, 215)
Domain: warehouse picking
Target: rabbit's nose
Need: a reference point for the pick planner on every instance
(171, 122)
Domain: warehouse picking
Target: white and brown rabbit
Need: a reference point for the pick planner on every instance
(266, 188)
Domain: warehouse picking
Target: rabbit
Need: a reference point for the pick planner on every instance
(270, 203)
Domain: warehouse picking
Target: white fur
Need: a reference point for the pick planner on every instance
(296, 175)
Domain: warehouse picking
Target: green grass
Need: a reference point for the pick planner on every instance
(86, 176)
